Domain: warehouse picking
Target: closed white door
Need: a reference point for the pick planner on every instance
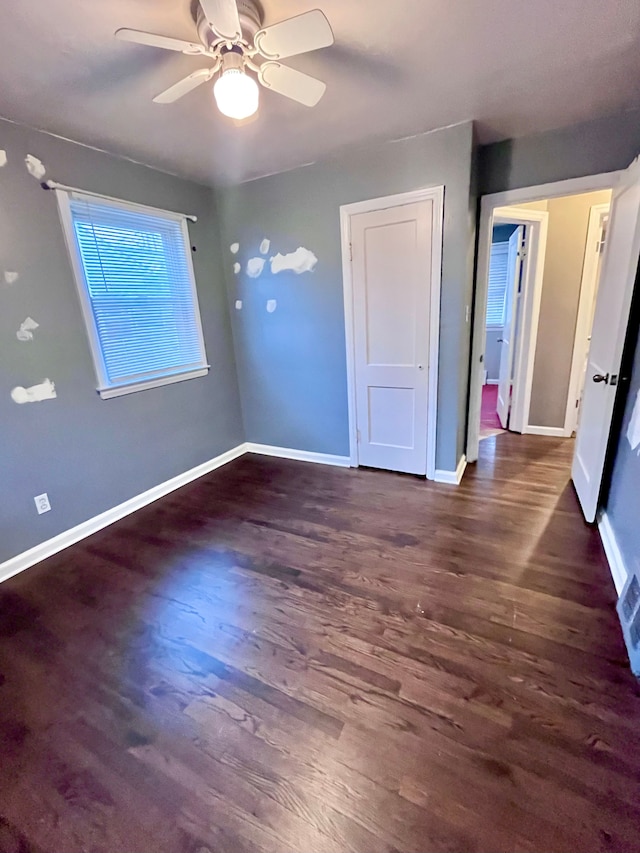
(391, 274)
(507, 351)
(619, 267)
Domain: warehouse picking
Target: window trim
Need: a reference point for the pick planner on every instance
(106, 389)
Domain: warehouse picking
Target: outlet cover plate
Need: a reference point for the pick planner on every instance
(42, 503)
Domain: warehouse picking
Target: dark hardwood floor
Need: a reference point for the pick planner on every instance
(290, 657)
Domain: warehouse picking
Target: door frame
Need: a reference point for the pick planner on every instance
(488, 204)
(587, 286)
(434, 194)
(526, 309)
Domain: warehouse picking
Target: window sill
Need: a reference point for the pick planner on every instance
(134, 387)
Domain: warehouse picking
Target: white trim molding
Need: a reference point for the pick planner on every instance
(556, 432)
(434, 194)
(527, 308)
(299, 455)
(617, 567)
(453, 478)
(63, 540)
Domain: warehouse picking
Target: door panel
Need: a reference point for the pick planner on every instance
(391, 273)
(392, 417)
(507, 351)
(619, 267)
(389, 257)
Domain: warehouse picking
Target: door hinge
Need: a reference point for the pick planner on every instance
(350, 251)
(358, 436)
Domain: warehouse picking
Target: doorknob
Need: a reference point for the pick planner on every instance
(499, 340)
(598, 377)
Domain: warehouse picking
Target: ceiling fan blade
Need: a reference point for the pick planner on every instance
(138, 37)
(301, 34)
(182, 87)
(223, 18)
(291, 83)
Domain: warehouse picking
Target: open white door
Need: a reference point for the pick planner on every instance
(619, 268)
(505, 376)
(392, 281)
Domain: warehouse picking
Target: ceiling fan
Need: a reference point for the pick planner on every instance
(231, 34)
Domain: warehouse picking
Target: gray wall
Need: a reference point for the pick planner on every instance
(566, 242)
(586, 149)
(90, 454)
(603, 145)
(291, 363)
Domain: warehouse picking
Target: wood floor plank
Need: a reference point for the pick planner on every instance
(288, 657)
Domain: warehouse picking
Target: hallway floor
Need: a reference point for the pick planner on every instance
(285, 656)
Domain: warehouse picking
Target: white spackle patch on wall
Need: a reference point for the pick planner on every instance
(10, 276)
(3, 158)
(35, 167)
(302, 260)
(264, 246)
(633, 430)
(255, 267)
(236, 268)
(25, 332)
(238, 304)
(46, 390)
(271, 305)
(234, 248)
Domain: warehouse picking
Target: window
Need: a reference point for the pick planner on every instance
(133, 269)
(497, 284)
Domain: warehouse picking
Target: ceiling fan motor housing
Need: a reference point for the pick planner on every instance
(251, 17)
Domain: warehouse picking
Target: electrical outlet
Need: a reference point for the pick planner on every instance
(42, 503)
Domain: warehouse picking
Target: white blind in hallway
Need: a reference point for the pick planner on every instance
(497, 284)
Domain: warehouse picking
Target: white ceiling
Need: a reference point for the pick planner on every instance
(398, 67)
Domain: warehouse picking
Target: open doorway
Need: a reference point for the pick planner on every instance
(543, 272)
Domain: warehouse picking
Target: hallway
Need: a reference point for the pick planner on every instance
(284, 656)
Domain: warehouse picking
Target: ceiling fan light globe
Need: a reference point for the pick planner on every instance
(237, 95)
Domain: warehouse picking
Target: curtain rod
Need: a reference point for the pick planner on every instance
(54, 185)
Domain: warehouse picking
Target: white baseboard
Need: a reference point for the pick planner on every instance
(452, 477)
(46, 549)
(556, 432)
(63, 540)
(492, 382)
(614, 556)
(299, 455)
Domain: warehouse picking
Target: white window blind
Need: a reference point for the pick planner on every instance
(135, 278)
(497, 284)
